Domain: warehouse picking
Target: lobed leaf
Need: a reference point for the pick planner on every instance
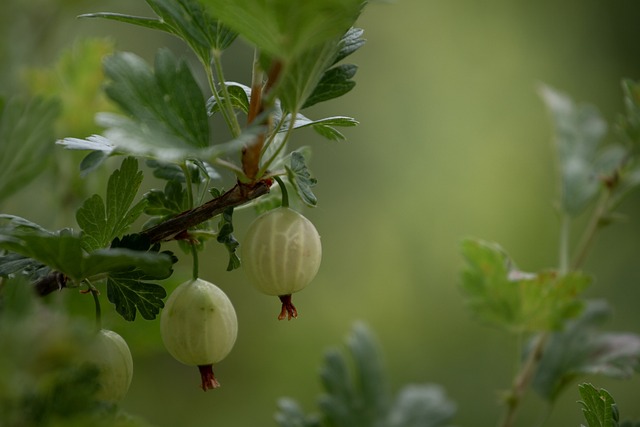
(225, 236)
(185, 19)
(300, 177)
(579, 132)
(598, 407)
(167, 98)
(62, 251)
(130, 296)
(499, 294)
(582, 349)
(101, 223)
(284, 29)
(334, 83)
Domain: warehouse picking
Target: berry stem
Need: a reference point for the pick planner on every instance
(209, 381)
(283, 190)
(288, 309)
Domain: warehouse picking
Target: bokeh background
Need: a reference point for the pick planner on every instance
(454, 142)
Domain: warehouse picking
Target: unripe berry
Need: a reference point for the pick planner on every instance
(281, 255)
(199, 327)
(112, 356)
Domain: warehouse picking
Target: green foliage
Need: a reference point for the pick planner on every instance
(167, 118)
(225, 236)
(284, 29)
(62, 251)
(26, 133)
(299, 175)
(362, 397)
(582, 349)
(579, 132)
(501, 295)
(185, 19)
(101, 224)
(598, 407)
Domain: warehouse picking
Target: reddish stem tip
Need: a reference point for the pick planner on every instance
(288, 309)
(209, 380)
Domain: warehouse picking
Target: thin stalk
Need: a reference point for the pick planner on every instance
(232, 122)
(94, 293)
(188, 184)
(196, 263)
(523, 380)
(591, 230)
(283, 190)
(272, 138)
(265, 165)
(229, 117)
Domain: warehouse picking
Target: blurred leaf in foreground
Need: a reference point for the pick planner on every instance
(361, 396)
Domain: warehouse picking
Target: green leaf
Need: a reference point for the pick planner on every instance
(238, 95)
(283, 28)
(131, 295)
(26, 140)
(299, 176)
(581, 349)
(598, 406)
(62, 251)
(579, 132)
(185, 19)
(126, 136)
(101, 224)
(129, 290)
(168, 203)
(350, 42)
(225, 236)
(421, 406)
(334, 83)
(324, 127)
(501, 295)
(167, 97)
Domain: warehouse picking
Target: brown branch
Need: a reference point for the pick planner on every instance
(251, 154)
(168, 230)
(238, 195)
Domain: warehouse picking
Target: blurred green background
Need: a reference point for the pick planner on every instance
(454, 142)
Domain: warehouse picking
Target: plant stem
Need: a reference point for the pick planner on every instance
(188, 184)
(283, 190)
(230, 116)
(196, 264)
(251, 154)
(522, 381)
(592, 228)
(277, 151)
(94, 292)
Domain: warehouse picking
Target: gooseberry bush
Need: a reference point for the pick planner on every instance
(180, 127)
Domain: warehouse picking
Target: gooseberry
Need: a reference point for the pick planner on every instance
(281, 255)
(111, 354)
(199, 327)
